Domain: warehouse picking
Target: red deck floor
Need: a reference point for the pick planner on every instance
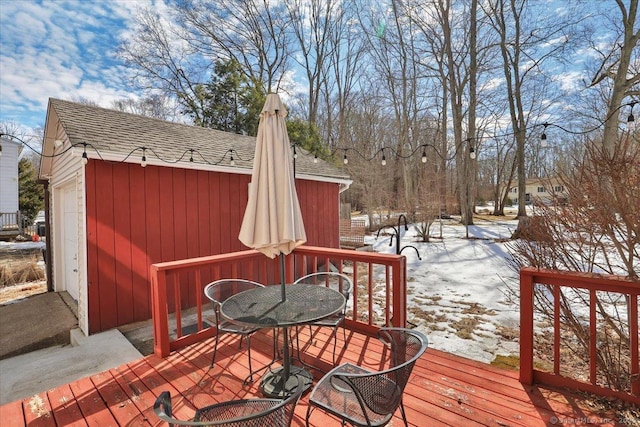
(444, 390)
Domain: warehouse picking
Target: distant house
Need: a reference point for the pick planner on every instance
(539, 191)
(9, 206)
(123, 208)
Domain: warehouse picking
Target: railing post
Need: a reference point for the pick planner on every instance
(399, 270)
(289, 273)
(526, 327)
(160, 312)
(633, 336)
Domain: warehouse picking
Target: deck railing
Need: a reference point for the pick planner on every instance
(180, 308)
(595, 312)
(10, 223)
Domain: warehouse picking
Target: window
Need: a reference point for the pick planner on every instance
(558, 188)
(514, 190)
(540, 189)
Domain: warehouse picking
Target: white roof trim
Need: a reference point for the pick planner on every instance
(153, 161)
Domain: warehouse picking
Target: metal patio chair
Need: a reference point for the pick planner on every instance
(235, 413)
(363, 397)
(218, 292)
(340, 283)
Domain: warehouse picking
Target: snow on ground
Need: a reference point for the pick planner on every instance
(458, 293)
(22, 245)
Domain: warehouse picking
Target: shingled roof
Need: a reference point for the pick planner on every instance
(115, 134)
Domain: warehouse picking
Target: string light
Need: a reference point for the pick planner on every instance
(85, 145)
(472, 152)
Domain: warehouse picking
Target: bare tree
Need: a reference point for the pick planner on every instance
(433, 54)
(523, 55)
(457, 49)
(314, 24)
(160, 61)
(347, 62)
(85, 100)
(157, 106)
(254, 33)
(394, 58)
(620, 70)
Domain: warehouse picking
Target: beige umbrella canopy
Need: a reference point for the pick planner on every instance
(272, 222)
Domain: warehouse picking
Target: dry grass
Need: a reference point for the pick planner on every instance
(21, 274)
(24, 290)
(13, 272)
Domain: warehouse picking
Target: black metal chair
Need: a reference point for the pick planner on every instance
(218, 292)
(340, 283)
(235, 413)
(370, 398)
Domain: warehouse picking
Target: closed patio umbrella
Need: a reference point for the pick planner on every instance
(272, 222)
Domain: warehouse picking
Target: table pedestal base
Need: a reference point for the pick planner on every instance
(274, 385)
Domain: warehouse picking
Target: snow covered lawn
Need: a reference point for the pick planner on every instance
(458, 293)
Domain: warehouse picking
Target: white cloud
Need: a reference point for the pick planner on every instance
(61, 49)
(570, 81)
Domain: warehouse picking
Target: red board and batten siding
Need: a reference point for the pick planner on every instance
(139, 216)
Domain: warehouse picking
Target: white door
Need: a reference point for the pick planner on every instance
(70, 240)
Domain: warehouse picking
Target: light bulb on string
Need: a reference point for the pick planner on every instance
(143, 160)
(85, 158)
(384, 159)
(295, 153)
(472, 152)
(424, 156)
(191, 156)
(232, 162)
(344, 158)
(543, 137)
(315, 158)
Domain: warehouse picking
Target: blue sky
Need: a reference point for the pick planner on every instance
(61, 49)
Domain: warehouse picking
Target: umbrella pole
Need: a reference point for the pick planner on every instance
(283, 279)
(287, 358)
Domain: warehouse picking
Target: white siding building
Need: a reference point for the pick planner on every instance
(8, 182)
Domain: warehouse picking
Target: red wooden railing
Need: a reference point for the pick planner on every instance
(532, 282)
(177, 288)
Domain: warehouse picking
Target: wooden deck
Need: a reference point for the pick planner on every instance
(444, 389)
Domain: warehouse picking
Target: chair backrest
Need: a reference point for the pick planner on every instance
(381, 392)
(336, 281)
(235, 413)
(222, 289)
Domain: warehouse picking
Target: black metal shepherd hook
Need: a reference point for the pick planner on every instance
(396, 234)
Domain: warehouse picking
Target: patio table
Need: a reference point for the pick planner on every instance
(264, 308)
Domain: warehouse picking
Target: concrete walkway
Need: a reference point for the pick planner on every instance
(43, 321)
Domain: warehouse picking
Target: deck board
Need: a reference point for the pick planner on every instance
(444, 389)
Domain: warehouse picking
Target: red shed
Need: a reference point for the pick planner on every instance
(127, 191)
